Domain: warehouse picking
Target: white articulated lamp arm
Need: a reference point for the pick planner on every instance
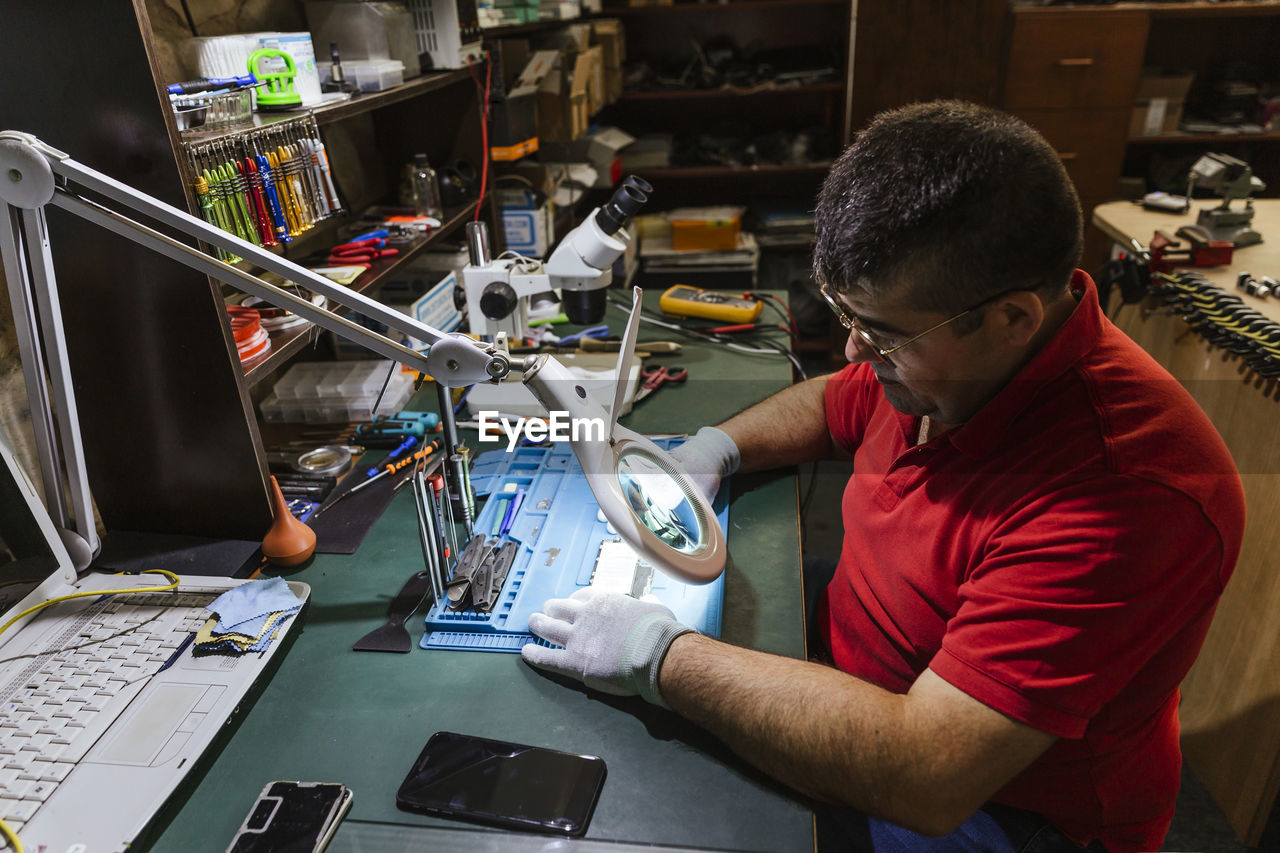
(34, 175)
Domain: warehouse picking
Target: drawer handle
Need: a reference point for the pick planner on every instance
(1076, 62)
(1067, 155)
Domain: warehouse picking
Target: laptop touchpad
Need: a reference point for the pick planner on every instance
(143, 729)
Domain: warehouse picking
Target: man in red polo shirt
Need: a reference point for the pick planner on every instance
(1037, 530)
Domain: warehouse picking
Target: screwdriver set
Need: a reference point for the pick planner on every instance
(266, 185)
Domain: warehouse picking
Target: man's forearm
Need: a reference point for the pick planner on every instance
(786, 429)
(845, 741)
(774, 712)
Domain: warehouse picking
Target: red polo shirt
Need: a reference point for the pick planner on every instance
(1058, 558)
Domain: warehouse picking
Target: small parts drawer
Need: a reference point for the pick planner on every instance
(1074, 60)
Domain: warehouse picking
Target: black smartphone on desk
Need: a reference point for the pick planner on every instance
(503, 784)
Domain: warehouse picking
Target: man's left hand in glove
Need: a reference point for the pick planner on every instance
(611, 642)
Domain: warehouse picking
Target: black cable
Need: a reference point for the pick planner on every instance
(805, 501)
(190, 21)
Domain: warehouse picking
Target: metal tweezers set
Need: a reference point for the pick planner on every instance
(267, 184)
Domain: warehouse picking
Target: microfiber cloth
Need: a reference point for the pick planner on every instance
(207, 640)
(240, 608)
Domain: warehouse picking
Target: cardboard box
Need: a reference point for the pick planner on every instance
(600, 149)
(563, 107)
(592, 64)
(513, 129)
(609, 35)
(1159, 103)
(707, 229)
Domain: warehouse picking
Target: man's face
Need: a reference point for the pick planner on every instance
(942, 375)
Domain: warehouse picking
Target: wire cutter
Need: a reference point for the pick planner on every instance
(654, 378)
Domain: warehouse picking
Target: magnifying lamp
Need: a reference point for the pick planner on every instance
(645, 495)
(652, 504)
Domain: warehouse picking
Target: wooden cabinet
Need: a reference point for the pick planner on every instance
(1080, 62)
(1073, 78)
(171, 435)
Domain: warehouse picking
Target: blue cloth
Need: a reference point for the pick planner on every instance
(244, 609)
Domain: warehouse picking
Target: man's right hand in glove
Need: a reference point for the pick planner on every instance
(706, 457)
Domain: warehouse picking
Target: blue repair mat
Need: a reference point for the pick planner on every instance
(560, 534)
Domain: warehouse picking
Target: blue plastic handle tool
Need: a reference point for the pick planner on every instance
(513, 508)
(381, 232)
(273, 200)
(192, 86)
(593, 332)
(427, 419)
(409, 441)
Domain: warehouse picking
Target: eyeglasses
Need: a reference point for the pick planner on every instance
(851, 322)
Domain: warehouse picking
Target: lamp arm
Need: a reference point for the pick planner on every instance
(454, 360)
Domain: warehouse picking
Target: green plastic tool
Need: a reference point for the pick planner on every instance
(278, 93)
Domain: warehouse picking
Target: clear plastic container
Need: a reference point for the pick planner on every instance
(369, 75)
(336, 392)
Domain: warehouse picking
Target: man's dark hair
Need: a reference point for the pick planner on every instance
(958, 202)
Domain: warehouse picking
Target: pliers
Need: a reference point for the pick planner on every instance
(361, 251)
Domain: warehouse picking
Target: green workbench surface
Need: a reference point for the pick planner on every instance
(331, 714)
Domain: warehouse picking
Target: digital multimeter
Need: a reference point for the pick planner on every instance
(685, 301)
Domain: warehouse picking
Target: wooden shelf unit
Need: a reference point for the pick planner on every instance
(172, 440)
(833, 87)
(662, 36)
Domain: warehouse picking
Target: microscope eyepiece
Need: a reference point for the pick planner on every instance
(626, 201)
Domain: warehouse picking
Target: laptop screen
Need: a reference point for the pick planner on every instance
(26, 556)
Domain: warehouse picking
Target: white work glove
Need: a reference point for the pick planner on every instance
(708, 455)
(611, 642)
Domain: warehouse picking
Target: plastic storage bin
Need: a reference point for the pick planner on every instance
(369, 75)
(336, 392)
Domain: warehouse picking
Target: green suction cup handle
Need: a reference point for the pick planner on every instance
(278, 91)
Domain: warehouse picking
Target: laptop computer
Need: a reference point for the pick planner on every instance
(103, 706)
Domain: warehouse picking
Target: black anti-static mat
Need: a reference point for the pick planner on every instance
(342, 527)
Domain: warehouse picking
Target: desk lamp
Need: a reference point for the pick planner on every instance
(643, 493)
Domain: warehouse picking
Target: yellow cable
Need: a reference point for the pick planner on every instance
(173, 582)
(11, 837)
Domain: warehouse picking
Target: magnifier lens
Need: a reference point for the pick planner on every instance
(659, 501)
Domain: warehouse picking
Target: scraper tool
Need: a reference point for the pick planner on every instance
(392, 636)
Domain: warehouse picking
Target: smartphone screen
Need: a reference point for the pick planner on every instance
(503, 784)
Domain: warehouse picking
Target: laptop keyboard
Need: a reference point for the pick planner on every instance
(65, 696)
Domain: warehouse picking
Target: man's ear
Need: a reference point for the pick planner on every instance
(1016, 317)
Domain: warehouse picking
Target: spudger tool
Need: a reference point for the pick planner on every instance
(393, 636)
